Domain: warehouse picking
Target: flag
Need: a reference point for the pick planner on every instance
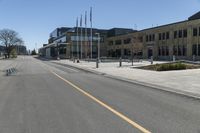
(77, 22)
(90, 14)
(81, 21)
(85, 17)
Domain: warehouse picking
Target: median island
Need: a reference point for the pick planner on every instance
(171, 66)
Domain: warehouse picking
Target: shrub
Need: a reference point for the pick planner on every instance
(167, 67)
(13, 53)
(33, 52)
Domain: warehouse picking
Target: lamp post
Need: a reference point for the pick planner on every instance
(98, 58)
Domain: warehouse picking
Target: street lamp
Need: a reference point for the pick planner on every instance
(98, 58)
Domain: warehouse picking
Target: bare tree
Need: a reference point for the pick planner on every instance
(136, 46)
(9, 38)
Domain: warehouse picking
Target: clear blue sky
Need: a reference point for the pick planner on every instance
(35, 19)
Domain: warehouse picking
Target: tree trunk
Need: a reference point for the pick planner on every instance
(8, 49)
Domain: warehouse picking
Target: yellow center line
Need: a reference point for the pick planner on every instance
(131, 122)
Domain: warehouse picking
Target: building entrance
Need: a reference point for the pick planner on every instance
(150, 52)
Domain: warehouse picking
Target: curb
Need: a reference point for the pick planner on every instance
(152, 86)
(157, 87)
(82, 69)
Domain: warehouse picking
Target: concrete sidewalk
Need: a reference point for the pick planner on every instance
(183, 81)
(7, 64)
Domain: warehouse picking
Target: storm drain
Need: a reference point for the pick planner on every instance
(11, 71)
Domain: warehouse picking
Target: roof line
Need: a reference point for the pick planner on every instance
(164, 25)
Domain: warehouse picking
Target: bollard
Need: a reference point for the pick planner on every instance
(120, 61)
(174, 58)
(151, 60)
(74, 60)
(97, 63)
(7, 72)
(193, 57)
(78, 61)
(132, 61)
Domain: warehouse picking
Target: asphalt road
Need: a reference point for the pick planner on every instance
(42, 97)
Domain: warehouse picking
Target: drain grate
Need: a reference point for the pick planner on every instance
(11, 71)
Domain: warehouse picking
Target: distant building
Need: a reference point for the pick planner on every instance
(180, 39)
(57, 33)
(118, 31)
(20, 49)
(125, 46)
(63, 41)
(2, 50)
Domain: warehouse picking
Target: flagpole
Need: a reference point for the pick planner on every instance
(72, 43)
(81, 37)
(91, 39)
(77, 48)
(86, 34)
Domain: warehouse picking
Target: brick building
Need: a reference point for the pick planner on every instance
(180, 39)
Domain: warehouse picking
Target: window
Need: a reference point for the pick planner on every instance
(185, 33)
(163, 36)
(140, 53)
(167, 35)
(184, 50)
(62, 50)
(110, 42)
(118, 42)
(175, 34)
(199, 50)
(194, 31)
(180, 33)
(109, 53)
(194, 49)
(150, 39)
(126, 52)
(167, 50)
(102, 39)
(147, 38)
(127, 41)
(179, 50)
(174, 50)
(159, 51)
(118, 52)
(141, 39)
(199, 31)
(153, 37)
(160, 36)
(163, 51)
